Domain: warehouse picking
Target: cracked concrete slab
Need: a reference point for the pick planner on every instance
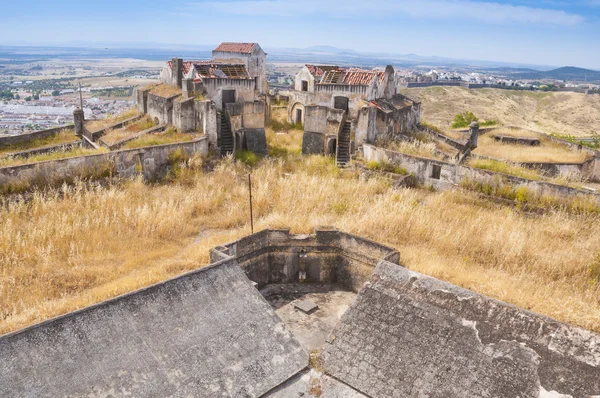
(206, 333)
(409, 335)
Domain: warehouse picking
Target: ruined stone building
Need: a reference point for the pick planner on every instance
(225, 97)
(359, 106)
(244, 327)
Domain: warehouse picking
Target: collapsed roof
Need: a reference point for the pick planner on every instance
(353, 76)
(223, 70)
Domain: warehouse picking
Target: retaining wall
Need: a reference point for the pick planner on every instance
(327, 256)
(7, 140)
(151, 162)
(443, 175)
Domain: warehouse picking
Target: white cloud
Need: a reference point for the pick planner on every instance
(423, 9)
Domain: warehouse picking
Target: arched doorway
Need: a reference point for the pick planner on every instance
(296, 113)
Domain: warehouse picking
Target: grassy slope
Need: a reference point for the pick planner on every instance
(563, 113)
(62, 253)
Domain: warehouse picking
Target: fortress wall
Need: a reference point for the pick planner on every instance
(451, 175)
(328, 256)
(161, 108)
(184, 115)
(7, 140)
(151, 162)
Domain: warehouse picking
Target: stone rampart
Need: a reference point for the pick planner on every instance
(8, 140)
(151, 162)
(327, 256)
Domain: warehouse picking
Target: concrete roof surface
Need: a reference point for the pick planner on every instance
(207, 333)
(408, 335)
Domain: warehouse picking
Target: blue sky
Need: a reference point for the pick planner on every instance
(547, 32)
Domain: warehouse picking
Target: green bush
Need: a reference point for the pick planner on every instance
(387, 167)
(247, 157)
(464, 120)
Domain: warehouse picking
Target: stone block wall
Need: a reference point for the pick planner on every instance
(183, 115)
(7, 140)
(443, 175)
(161, 108)
(327, 256)
(151, 162)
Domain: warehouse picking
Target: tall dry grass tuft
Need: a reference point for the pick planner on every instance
(62, 252)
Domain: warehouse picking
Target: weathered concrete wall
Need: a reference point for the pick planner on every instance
(324, 96)
(151, 162)
(328, 256)
(184, 117)
(206, 333)
(451, 175)
(206, 120)
(304, 75)
(161, 108)
(409, 335)
(45, 149)
(256, 63)
(323, 120)
(142, 100)
(247, 120)
(313, 143)
(7, 140)
(245, 90)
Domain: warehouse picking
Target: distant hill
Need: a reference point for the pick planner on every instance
(569, 73)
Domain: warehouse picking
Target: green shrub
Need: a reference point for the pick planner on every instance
(387, 167)
(247, 157)
(464, 120)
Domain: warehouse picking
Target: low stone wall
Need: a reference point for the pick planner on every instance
(443, 175)
(161, 108)
(45, 149)
(151, 162)
(124, 141)
(95, 135)
(8, 140)
(183, 115)
(327, 256)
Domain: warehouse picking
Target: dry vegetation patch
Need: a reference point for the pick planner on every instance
(165, 90)
(169, 136)
(55, 155)
(113, 136)
(547, 152)
(96, 125)
(63, 252)
(64, 136)
(562, 113)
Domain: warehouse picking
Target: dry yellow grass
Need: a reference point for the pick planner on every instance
(414, 148)
(165, 90)
(562, 113)
(113, 136)
(547, 152)
(69, 153)
(96, 125)
(63, 136)
(58, 254)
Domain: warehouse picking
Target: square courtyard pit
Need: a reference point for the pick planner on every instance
(311, 330)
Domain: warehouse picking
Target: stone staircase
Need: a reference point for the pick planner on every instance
(226, 136)
(343, 146)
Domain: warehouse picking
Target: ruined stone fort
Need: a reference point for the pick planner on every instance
(280, 315)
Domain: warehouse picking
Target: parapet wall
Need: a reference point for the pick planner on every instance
(443, 175)
(161, 108)
(7, 140)
(327, 256)
(151, 162)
